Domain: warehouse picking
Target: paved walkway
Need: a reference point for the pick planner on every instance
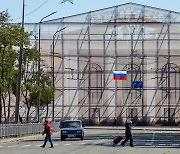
(153, 128)
(14, 139)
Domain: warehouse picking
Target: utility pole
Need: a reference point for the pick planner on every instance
(19, 72)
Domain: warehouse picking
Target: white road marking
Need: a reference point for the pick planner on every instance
(67, 144)
(26, 145)
(55, 144)
(1, 146)
(97, 142)
(148, 144)
(161, 144)
(82, 143)
(107, 144)
(12, 146)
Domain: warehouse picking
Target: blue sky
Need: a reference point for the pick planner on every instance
(35, 10)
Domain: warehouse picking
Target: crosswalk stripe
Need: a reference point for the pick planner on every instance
(161, 144)
(67, 144)
(83, 143)
(108, 144)
(148, 144)
(12, 146)
(26, 145)
(138, 142)
(55, 144)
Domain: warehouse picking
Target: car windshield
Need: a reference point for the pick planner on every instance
(71, 124)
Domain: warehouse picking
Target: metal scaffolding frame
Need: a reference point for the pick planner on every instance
(142, 40)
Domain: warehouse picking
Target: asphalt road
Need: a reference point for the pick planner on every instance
(99, 141)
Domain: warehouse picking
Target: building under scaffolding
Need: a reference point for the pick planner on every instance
(81, 52)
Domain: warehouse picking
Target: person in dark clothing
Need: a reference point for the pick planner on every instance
(48, 132)
(128, 134)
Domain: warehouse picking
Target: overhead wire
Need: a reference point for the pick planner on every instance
(32, 11)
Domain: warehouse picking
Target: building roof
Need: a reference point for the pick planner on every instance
(125, 11)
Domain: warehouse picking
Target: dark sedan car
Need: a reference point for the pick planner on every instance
(72, 129)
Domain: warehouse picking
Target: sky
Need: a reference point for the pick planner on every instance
(35, 10)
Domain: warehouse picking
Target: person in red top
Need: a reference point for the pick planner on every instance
(48, 132)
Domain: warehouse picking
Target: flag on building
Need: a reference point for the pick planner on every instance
(120, 75)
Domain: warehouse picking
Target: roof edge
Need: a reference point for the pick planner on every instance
(129, 3)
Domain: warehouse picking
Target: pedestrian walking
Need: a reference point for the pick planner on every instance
(128, 132)
(48, 131)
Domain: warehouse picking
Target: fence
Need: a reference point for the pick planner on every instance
(14, 130)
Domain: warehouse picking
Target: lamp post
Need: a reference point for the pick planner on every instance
(19, 72)
(53, 46)
(38, 105)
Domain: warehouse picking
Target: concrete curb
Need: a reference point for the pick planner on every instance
(149, 128)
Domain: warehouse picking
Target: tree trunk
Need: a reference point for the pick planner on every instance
(4, 104)
(47, 111)
(27, 116)
(0, 109)
(20, 119)
(9, 102)
(9, 106)
(2, 76)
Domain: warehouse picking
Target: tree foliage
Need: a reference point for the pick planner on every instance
(35, 87)
(11, 37)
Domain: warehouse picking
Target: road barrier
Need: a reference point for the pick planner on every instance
(15, 130)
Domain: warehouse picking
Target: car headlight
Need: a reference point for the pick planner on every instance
(64, 131)
(78, 131)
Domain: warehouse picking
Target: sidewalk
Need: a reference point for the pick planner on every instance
(15, 139)
(150, 128)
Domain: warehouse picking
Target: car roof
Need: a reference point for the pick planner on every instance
(72, 120)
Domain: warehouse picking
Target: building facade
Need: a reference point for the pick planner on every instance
(81, 52)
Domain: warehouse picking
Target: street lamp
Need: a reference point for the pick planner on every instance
(39, 59)
(53, 46)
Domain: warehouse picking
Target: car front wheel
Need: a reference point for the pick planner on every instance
(62, 138)
(82, 137)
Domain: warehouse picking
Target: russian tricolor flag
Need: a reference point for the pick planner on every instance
(120, 75)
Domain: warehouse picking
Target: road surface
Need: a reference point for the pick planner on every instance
(99, 141)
